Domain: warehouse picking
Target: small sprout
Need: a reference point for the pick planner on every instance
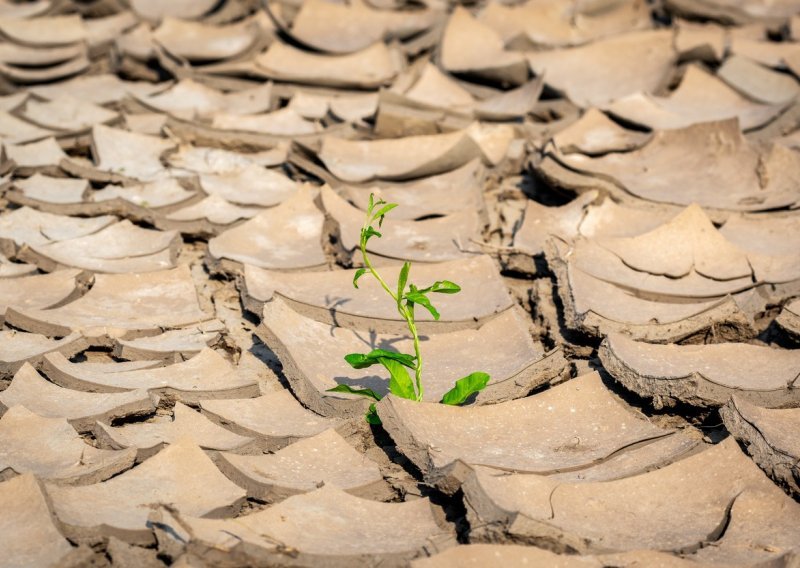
(406, 296)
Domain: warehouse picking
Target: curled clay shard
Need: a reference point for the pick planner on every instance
(207, 375)
(323, 527)
(368, 68)
(737, 11)
(502, 347)
(701, 97)
(81, 409)
(217, 161)
(703, 41)
(769, 437)
(581, 427)
(758, 82)
(210, 216)
(598, 73)
(190, 100)
(26, 226)
(340, 28)
(275, 418)
(18, 347)
(322, 460)
(197, 41)
(45, 154)
(155, 10)
(176, 344)
(41, 291)
(14, 130)
(52, 450)
(46, 30)
(595, 134)
(541, 223)
(789, 318)
(121, 305)
(769, 242)
(122, 247)
(251, 185)
(284, 122)
(330, 297)
(50, 190)
(149, 438)
(128, 154)
(67, 114)
(704, 375)
(714, 155)
(263, 241)
(180, 474)
(717, 497)
(98, 89)
(470, 47)
(430, 240)
(28, 533)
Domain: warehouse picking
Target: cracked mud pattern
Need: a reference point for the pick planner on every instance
(615, 184)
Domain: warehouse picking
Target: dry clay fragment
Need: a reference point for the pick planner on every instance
(275, 418)
(18, 347)
(704, 375)
(49, 190)
(470, 47)
(608, 219)
(67, 113)
(52, 450)
(713, 502)
(431, 240)
(189, 100)
(251, 185)
(369, 68)
(703, 41)
(122, 247)
(122, 305)
(540, 223)
(29, 158)
(210, 216)
(326, 527)
(737, 11)
(340, 28)
(770, 436)
(43, 31)
(503, 348)
(181, 475)
(597, 307)
(149, 438)
(40, 291)
(217, 161)
(284, 122)
(600, 72)
(713, 155)
(197, 41)
(81, 409)
(97, 89)
(579, 426)
(322, 460)
(28, 533)
(176, 344)
(207, 375)
(699, 98)
(769, 241)
(330, 297)
(14, 130)
(156, 10)
(789, 318)
(594, 134)
(26, 226)
(285, 237)
(11, 10)
(758, 82)
(518, 556)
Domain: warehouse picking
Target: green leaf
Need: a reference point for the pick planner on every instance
(382, 212)
(443, 287)
(369, 393)
(464, 388)
(362, 361)
(359, 273)
(419, 297)
(371, 203)
(368, 233)
(402, 279)
(372, 416)
(400, 383)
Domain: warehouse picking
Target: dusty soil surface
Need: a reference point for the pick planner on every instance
(615, 185)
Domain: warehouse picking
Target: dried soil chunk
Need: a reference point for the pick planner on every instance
(275, 417)
(430, 240)
(81, 409)
(18, 347)
(713, 155)
(129, 154)
(180, 343)
(148, 438)
(252, 185)
(789, 318)
(594, 134)
(52, 450)
(540, 223)
(704, 375)
(122, 247)
(600, 72)
(206, 375)
(181, 475)
(737, 11)
(369, 68)
(189, 100)
(325, 527)
(28, 533)
(124, 305)
(186, 9)
(770, 437)
(579, 426)
(197, 41)
(758, 82)
(699, 98)
(717, 497)
(325, 459)
(211, 216)
(330, 297)
(67, 113)
(39, 291)
(288, 236)
(26, 226)
(97, 89)
(503, 348)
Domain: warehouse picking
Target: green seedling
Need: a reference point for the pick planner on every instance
(406, 297)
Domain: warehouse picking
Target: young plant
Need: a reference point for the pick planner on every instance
(406, 297)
